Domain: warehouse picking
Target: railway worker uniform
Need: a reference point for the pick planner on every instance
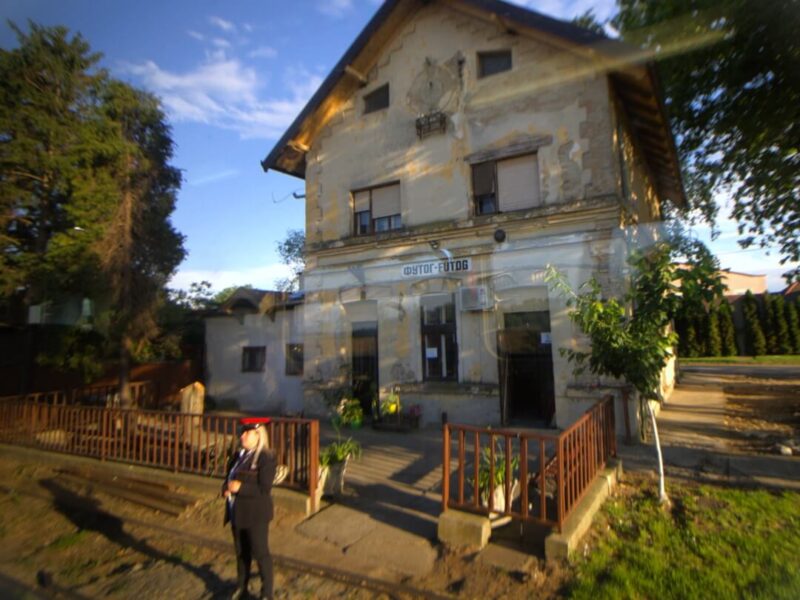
(248, 505)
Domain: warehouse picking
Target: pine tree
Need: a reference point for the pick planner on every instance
(714, 340)
(727, 330)
(756, 343)
(793, 324)
(768, 324)
(785, 345)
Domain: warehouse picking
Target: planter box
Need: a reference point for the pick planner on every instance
(397, 423)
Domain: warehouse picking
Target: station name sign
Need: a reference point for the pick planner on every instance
(437, 267)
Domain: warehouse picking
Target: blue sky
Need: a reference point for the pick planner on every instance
(232, 76)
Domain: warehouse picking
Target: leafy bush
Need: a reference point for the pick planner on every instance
(349, 412)
(339, 451)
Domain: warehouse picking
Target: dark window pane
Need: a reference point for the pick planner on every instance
(253, 358)
(439, 348)
(387, 223)
(490, 63)
(483, 178)
(486, 205)
(362, 222)
(377, 99)
(294, 359)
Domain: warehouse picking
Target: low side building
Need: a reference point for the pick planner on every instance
(254, 352)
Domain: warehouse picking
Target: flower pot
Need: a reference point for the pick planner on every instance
(332, 483)
(499, 502)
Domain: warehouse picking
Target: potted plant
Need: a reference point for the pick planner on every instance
(333, 461)
(349, 413)
(497, 485)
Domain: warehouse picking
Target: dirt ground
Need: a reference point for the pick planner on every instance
(68, 540)
(762, 413)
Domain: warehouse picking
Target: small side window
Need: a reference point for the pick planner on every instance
(253, 359)
(490, 63)
(377, 99)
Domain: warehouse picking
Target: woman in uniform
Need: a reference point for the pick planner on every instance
(248, 504)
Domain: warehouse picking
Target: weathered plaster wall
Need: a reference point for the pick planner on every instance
(432, 65)
(270, 391)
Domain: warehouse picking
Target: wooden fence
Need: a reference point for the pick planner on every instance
(143, 393)
(526, 475)
(178, 441)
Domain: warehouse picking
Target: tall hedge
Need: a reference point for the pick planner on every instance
(755, 341)
(713, 338)
(727, 330)
(785, 345)
(769, 323)
(793, 324)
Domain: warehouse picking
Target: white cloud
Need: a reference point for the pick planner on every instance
(196, 35)
(263, 52)
(225, 93)
(213, 177)
(247, 27)
(221, 43)
(259, 277)
(335, 8)
(226, 26)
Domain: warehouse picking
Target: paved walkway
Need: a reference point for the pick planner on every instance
(697, 445)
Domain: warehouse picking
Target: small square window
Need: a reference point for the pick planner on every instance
(362, 222)
(294, 359)
(253, 359)
(490, 63)
(377, 99)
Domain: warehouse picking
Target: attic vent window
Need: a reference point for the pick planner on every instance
(435, 122)
(490, 63)
(377, 99)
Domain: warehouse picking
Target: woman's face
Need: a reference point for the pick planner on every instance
(249, 439)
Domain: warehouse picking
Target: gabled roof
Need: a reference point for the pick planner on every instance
(633, 78)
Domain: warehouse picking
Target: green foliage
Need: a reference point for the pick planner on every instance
(729, 72)
(87, 188)
(292, 253)
(769, 323)
(793, 325)
(756, 343)
(339, 451)
(727, 329)
(349, 413)
(716, 541)
(784, 340)
(390, 405)
(633, 346)
(714, 340)
(485, 483)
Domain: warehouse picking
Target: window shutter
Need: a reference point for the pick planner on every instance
(483, 178)
(361, 201)
(518, 183)
(386, 201)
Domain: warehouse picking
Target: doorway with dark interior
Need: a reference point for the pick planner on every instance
(527, 391)
(365, 363)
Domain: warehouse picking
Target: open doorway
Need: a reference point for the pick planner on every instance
(365, 363)
(527, 391)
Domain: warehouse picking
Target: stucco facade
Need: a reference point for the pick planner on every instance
(570, 185)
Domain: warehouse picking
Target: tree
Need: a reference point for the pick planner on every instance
(714, 340)
(793, 324)
(632, 345)
(769, 324)
(785, 345)
(89, 188)
(727, 329)
(756, 343)
(292, 252)
(734, 105)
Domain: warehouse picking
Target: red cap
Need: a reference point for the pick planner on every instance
(249, 423)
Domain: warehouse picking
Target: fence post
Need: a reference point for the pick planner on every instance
(445, 466)
(313, 463)
(560, 462)
(178, 429)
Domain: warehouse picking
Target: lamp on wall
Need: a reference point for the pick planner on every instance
(434, 244)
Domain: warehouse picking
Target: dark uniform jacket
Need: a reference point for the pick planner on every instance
(253, 503)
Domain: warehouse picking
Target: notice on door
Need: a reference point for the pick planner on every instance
(545, 338)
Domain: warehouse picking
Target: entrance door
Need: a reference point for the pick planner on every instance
(365, 363)
(526, 367)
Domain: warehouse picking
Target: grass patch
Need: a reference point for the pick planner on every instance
(727, 543)
(787, 359)
(68, 540)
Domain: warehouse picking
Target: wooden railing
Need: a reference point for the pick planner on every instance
(526, 475)
(178, 441)
(143, 393)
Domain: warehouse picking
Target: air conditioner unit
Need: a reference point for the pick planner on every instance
(474, 298)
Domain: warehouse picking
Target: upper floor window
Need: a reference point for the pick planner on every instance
(506, 185)
(253, 358)
(377, 99)
(294, 359)
(377, 209)
(490, 63)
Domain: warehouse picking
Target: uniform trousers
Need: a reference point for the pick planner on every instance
(251, 544)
